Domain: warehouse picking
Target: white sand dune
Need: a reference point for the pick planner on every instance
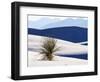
(66, 47)
(57, 60)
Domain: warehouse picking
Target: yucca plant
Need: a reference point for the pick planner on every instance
(48, 47)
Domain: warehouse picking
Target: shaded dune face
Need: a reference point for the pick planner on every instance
(72, 33)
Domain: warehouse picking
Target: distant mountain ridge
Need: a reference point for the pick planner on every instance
(71, 33)
(68, 22)
(47, 22)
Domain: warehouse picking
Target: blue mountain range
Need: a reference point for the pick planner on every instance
(45, 23)
(68, 22)
(68, 33)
